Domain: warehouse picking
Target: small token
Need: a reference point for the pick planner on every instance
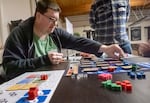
(90, 69)
(127, 67)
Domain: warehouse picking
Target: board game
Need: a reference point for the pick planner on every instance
(107, 65)
(17, 90)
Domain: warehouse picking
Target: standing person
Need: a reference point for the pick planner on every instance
(108, 18)
(37, 42)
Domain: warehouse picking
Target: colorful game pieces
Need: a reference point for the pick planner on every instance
(140, 75)
(107, 84)
(32, 93)
(42, 95)
(72, 70)
(134, 67)
(132, 75)
(128, 87)
(111, 86)
(111, 68)
(125, 85)
(69, 72)
(82, 76)
(105, 76)
(116, 87)
(137, 74)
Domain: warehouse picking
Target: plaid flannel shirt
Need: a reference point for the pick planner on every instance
(108, 18)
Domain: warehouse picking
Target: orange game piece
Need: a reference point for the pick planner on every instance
(69, 72)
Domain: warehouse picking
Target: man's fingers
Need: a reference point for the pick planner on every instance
(55, 58)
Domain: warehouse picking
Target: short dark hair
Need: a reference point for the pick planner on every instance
(43, 5)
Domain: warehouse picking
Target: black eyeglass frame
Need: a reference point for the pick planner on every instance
(51, 19)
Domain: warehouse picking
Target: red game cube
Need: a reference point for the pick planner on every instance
(118, 82)
(111, 69)
(126, 82)
(105, 77)
(128, 88)
(32, 93)
(123, 85)
(44, 77)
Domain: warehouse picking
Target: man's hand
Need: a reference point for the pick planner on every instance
(113, 51)
(55, 57)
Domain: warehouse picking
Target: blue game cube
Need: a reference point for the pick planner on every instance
(132, 75)
(140, 75)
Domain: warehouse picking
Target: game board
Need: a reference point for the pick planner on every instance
(141, 61)
(107, 65)
(102, 65)
(16, 90)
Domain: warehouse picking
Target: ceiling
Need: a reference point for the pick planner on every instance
(79, 9)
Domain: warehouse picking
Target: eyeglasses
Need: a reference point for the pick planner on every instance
(51, 20)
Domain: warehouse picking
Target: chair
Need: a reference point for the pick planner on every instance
(14, 23)
(2, 75)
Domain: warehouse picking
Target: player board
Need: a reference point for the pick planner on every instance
(16, 90)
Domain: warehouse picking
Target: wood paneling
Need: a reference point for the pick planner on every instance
(78, 7)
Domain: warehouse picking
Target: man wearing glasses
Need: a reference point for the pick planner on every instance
(37, 42)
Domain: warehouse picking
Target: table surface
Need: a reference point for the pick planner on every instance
(89, 90)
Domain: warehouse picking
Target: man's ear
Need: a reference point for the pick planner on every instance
(38, 15)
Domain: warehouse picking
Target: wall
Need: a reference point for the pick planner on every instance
(0, 26)
(142, 25)
(12, 10)
(144, 34)
(81, 29)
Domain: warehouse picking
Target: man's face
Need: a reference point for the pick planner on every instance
(49, 21)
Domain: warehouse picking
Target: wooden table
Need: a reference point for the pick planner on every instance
(89, 90)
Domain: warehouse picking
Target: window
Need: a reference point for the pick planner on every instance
(135, 33)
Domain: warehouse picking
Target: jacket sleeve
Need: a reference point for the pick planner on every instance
(68, 41)
(16, 56)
